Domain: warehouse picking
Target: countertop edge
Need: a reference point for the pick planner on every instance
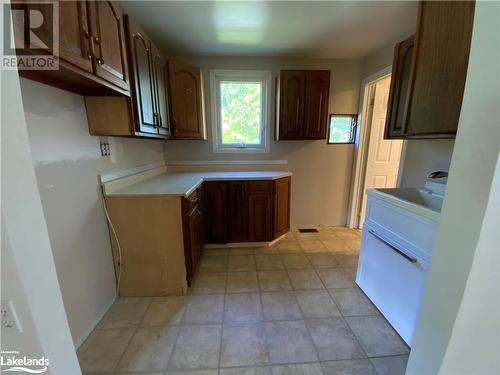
(186, 193)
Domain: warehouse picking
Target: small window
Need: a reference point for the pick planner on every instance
(342, 128)
(240, 108)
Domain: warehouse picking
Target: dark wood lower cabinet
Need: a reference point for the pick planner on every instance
(193, 232)
(282, 188)
(246, 211)
(215, 212)
(237, 211)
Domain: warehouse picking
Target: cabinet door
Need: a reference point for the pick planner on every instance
(186, 100)
(214, 211)
(281, 206)
(161, 95)
(398, 94)
(106, 20)
(291, 104)
(237, 211)
(195, 237)
(260, 217)
(74, 36)
(142, 77)
(441, 56)
(316, 104)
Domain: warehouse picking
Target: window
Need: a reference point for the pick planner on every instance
(240, 110)
(342, 128)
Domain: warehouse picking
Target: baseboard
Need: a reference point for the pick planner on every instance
(78, 342)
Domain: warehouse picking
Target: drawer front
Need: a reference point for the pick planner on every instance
(410, 231)
(260, 187)
(392, 282)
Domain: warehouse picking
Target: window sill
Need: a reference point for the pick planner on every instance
(237, 150)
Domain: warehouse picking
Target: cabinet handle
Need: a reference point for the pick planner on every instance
(392, 247)
(97, 40)
(160, 120)
(100, 61)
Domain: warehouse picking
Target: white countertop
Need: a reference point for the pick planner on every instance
(183, 184)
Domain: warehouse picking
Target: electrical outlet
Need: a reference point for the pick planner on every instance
(9, 317)
(105, 149)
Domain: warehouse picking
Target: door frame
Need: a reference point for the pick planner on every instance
(361, 146)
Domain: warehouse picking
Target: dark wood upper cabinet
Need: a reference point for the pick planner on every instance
(215, 212)
(186, 107)
(281, 206)
(108, 42)
(436, 77)
(159, 65)
(87, 49)
(316, 104)
(291, 94)
(398, 93)
(302, 104)
(74, 36)
(142, 82)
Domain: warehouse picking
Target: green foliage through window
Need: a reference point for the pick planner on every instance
(342, 128)
(241, 112)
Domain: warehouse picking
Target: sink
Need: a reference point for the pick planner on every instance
(418, 196)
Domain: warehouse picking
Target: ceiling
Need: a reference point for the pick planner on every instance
(307, 29)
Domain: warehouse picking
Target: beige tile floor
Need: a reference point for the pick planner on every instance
(290, 309)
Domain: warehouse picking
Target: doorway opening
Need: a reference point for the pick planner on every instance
(378, 161)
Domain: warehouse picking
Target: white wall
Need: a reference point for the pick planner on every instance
(28, 273)
(321, 172)
(478, 320)
(458, 242)
(67, 161)
(423, 156)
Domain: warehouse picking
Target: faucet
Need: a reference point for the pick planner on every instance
(437, 174)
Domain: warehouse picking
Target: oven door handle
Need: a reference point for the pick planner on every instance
(392, 247)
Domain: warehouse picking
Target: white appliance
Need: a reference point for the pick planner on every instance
(396, 247)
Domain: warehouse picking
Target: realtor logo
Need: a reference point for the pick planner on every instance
(34, 43)
(11, 361)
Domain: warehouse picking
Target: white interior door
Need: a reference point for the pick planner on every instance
(383, 155)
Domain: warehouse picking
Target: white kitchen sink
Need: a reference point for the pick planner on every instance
(420, 197)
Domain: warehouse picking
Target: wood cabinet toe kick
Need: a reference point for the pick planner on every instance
(160, 238)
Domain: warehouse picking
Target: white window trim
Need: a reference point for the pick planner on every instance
(265, 77)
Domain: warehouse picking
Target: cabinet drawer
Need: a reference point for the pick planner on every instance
(411, 231)
(260, 187)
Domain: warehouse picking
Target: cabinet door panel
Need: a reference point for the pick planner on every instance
(109, 42)
(398, 94)
(74, 37)
(281, 206)
(291, 104)
(214, 211)
(260, 217)
(316, 104)
(237, 211)
(441, 56)
(186, 98)
(142, 77)
(161, 95)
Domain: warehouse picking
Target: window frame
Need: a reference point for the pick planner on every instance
(354, 128)
(262, 76)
